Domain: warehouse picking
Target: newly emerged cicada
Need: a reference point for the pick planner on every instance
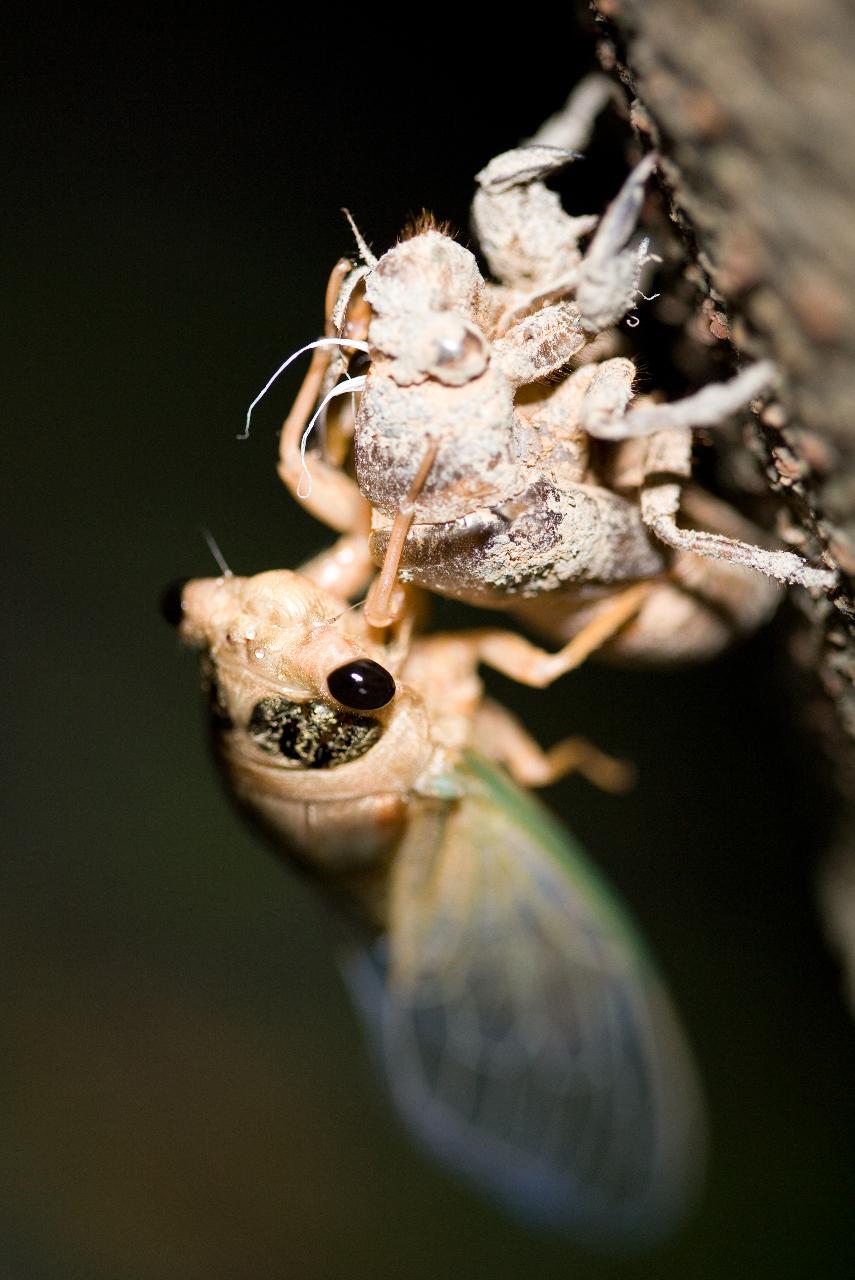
(527, 1038)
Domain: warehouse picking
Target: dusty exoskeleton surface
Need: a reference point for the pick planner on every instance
(527, 1038)
(495, 433)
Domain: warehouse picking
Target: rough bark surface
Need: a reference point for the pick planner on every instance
(752, 106)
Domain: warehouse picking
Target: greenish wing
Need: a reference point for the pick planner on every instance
(527, 1039)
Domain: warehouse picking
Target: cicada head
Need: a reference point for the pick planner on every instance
(427, 297)
(318, 741)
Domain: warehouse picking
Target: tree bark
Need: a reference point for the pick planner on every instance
(751, 104)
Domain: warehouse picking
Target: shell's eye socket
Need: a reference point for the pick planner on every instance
(358, 364)
(448, 350)
(456, 351)
(171, 608)
(362, 685)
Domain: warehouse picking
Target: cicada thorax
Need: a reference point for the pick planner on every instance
(319, 817)
(316, 771)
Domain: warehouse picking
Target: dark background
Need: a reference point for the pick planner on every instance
(183, 1087)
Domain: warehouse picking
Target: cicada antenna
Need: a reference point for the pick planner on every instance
(215, 551)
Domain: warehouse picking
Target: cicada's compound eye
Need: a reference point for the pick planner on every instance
(171, 606)
(312, 735)
(362, 685)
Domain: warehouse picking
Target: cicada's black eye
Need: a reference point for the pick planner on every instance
(358, 364)
(362, 685)
(171, 608)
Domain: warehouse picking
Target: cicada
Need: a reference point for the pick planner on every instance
(528, 1041)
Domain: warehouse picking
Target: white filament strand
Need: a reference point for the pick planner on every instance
(352, 385)
(217, 553)
(355, 343)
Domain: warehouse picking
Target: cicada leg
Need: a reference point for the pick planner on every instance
(334, 498)
(500, 735)
(381, 606)
(668, 466)
(344, 569)
(527, 663)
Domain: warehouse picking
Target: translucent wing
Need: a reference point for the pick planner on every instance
(527, 1040)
